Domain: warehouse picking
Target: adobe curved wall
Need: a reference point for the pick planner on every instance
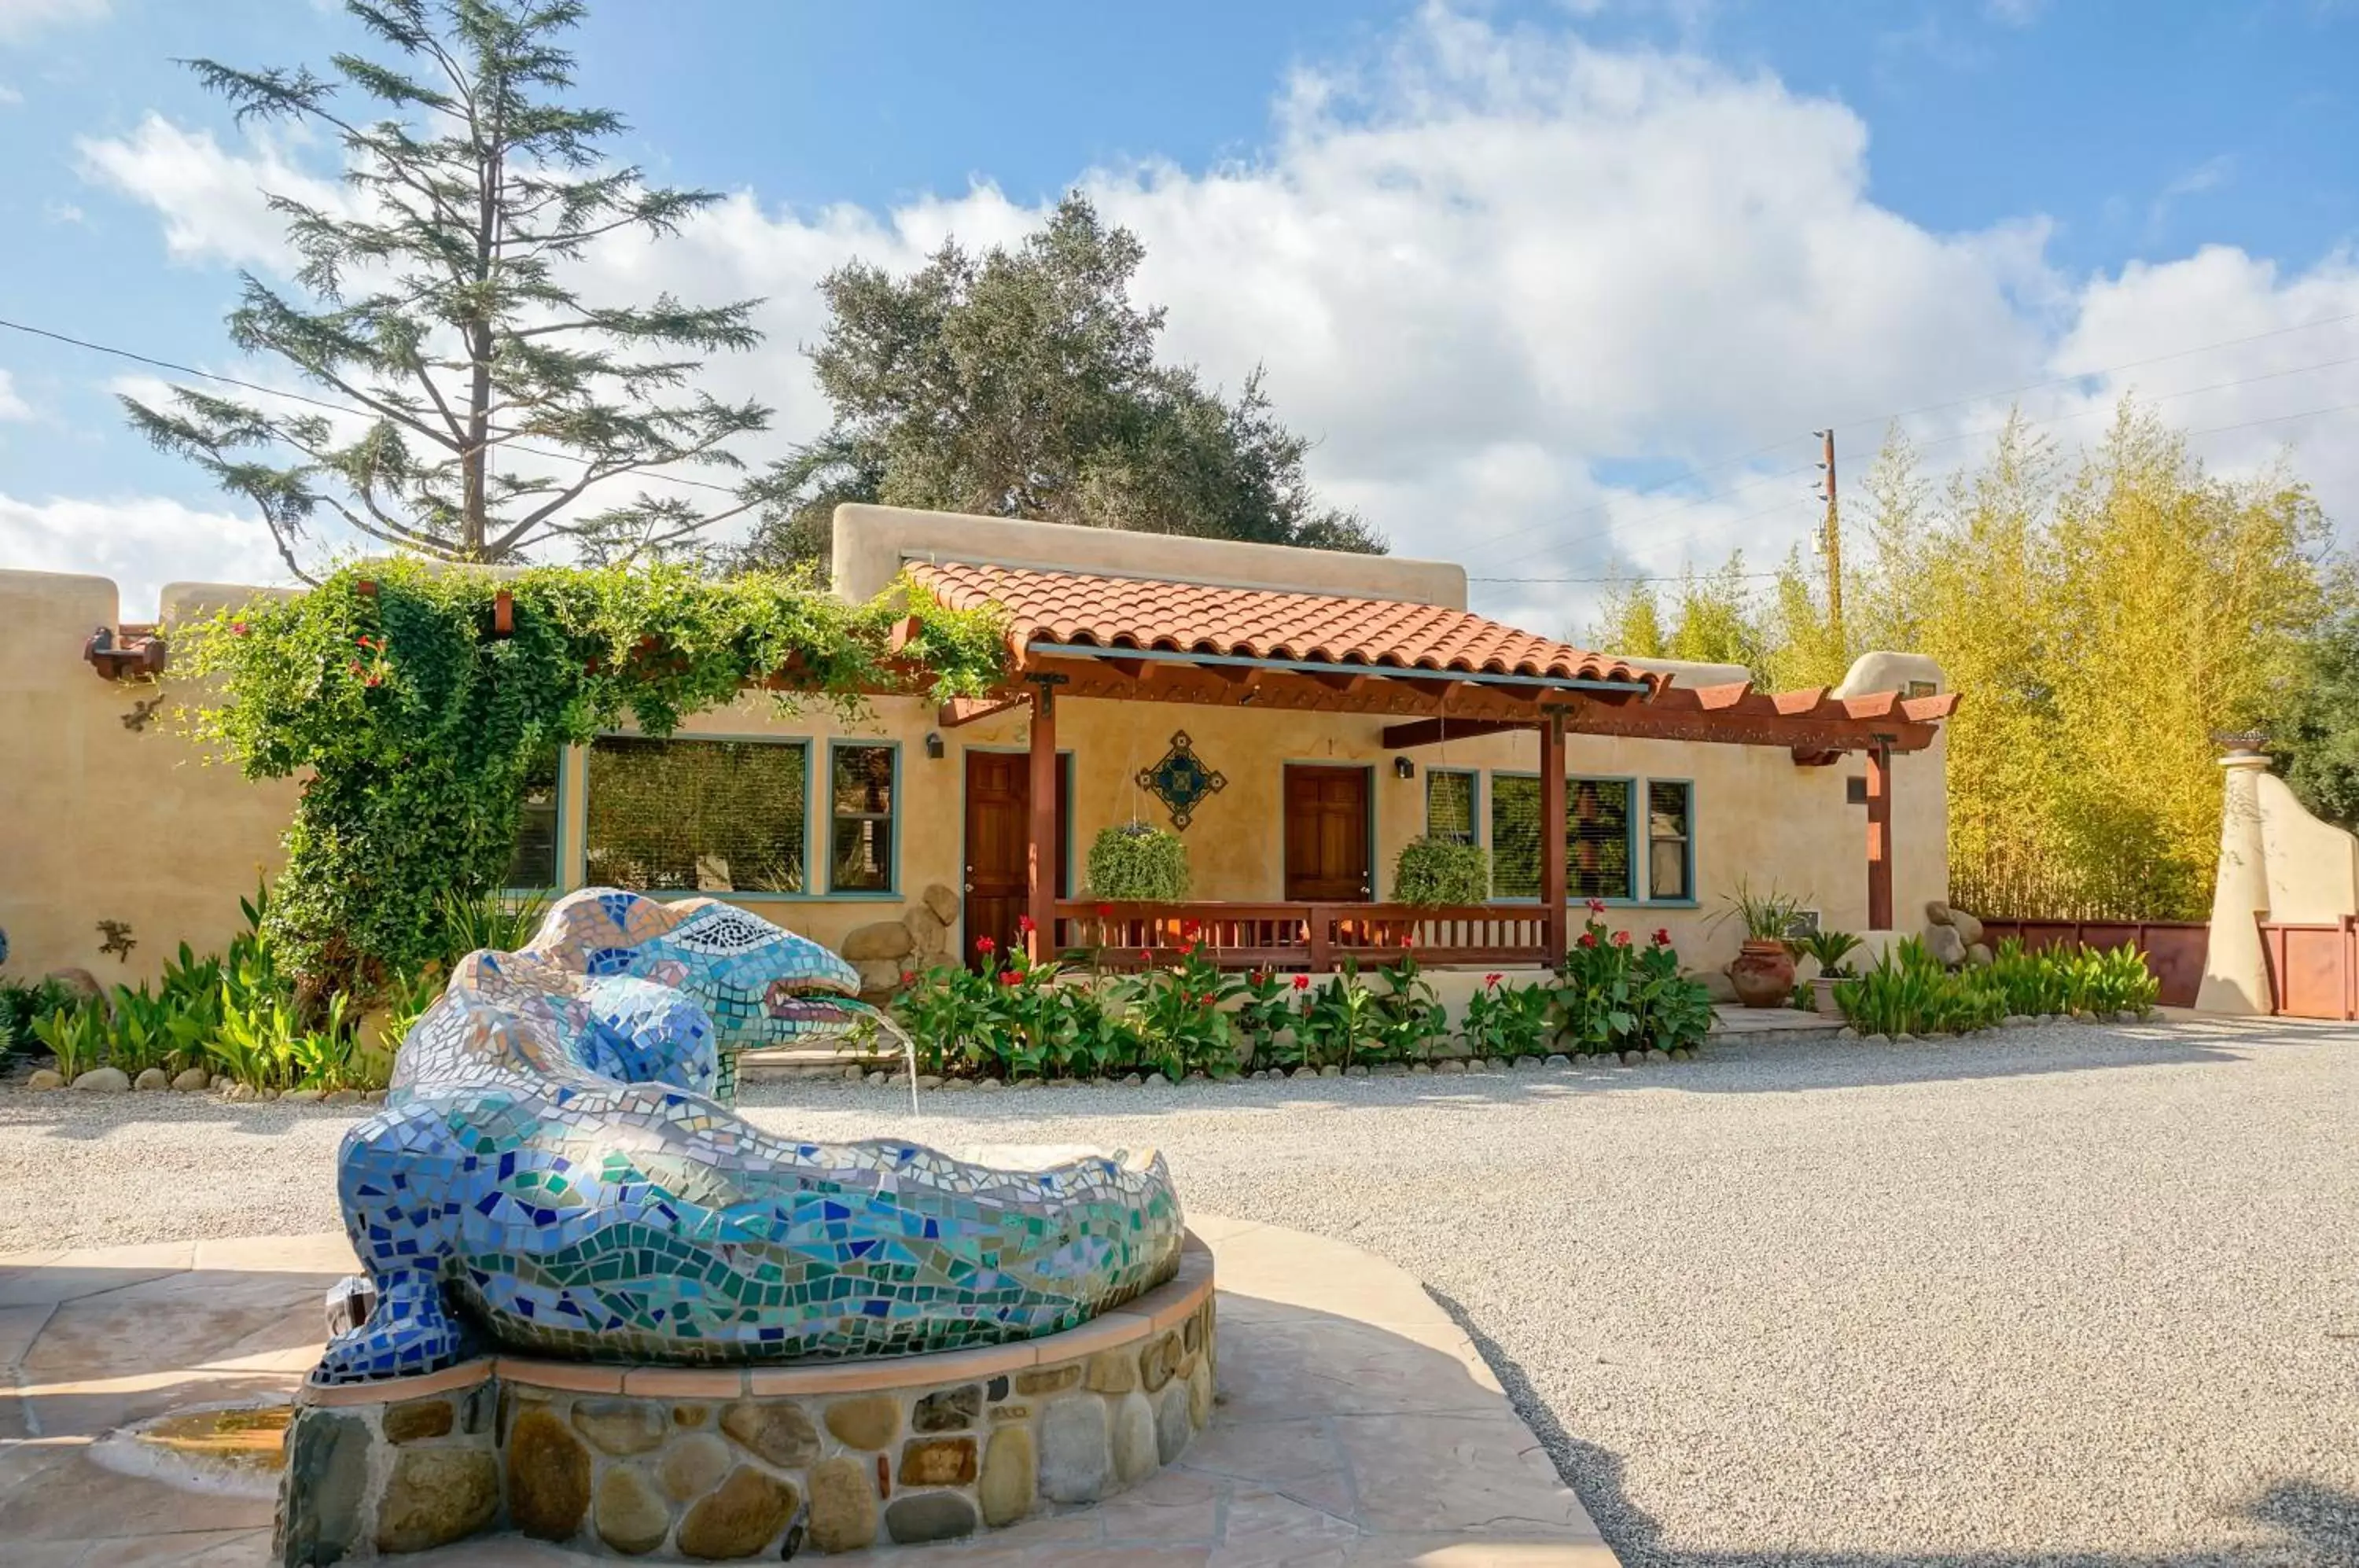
(2278, 862)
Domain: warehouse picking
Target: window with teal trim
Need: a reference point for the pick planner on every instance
(1671, 846)
(860, 795)
(691, 815)
(1596, 838)
(533, 866)
(1450, 806)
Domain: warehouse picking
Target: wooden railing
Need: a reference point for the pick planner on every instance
(1301, 936)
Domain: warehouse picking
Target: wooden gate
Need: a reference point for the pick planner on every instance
(2314, 968)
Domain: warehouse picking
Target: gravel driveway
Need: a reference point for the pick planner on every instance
(2067, 1295)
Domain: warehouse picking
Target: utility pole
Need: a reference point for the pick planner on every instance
(1831, 542)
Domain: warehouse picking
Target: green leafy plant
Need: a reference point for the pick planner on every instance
(1672, 1012)
(76, 1036)
(487, 921)
(1615, 995)
(419, 726)
(1833, 949)
(1409, 1016)
(24, 1003)
(1263, 1016)
(1441, 871)
(1337, 1018)
(1507, 1021)
(1909, 991)
(1764, 917)
(1138, 862)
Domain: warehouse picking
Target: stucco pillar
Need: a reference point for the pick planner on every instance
(1040, 834)
(2235, 971)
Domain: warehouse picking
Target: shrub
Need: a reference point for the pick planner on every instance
(1507, 1021)
(1409, 1013)
(1831, 949)
(1615, 995)
(1909, 991)
(1337, 1018)
(1138, 862)
(1441, 871)
(24, 1003)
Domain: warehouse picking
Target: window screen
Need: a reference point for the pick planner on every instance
(860, 810)
(697, 816)
(533, 865)
(1596, 838)
(1670, 857)
(1450, 806)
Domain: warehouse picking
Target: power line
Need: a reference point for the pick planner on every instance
(320, 402)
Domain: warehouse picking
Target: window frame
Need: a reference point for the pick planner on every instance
(810, 751)
(1633, 840)
(1476, 826)
(1647, 840)
(895, 818)
(556, 884)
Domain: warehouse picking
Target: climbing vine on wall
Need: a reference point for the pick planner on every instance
(417, 722)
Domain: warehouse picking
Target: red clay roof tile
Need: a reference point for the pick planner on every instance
(1257, 623)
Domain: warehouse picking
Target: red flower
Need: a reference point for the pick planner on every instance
(1261, 976)
(1621, 939)
(1187, 948)
(908, 978)
(1302, 982)
(1190, 928)
(1408, 939)
(1662, 936)
(1007, 978)
(373, 680)
(985, 944)
(1588, 939)
(238, 628)
(1145, 955)
(1490, 982)
(1105, 911)
(1027, 924)
(355, 667)
(1596, 906)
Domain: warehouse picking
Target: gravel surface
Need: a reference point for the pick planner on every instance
(2065, 1295)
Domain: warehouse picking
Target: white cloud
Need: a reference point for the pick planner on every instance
(10, 98)
(22, 18)
(215, 204)
(140, 541)
(12, 406)
(1501, 277)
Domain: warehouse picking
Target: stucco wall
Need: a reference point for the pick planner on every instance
(111, 823)
(103, 821)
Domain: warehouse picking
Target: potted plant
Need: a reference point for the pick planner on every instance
(1138, 862)
(1833, 949)
(1763, 971)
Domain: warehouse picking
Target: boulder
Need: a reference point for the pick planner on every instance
(1969, 928)
(945, 901)
(1978, 954)
(152, 1078)
(80, 983)
(1936, 912)
(879, 976)
(1715, 983)
(192, 1081)
(879, 939)
(929, 932)
(1945, 944)
(44, 1079)
(103, 1080)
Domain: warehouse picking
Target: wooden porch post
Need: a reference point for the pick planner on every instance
(1879, 837)
(1552, 915)
(1040, 853)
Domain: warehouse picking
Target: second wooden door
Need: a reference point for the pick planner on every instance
(998, 815)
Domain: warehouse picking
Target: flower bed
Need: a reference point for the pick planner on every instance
(1012, 1018)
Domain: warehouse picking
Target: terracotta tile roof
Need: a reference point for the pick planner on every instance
(1258, 623)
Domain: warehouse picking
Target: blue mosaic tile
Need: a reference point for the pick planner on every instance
(557, 1172)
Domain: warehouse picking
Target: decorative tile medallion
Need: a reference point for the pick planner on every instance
(1181, 780)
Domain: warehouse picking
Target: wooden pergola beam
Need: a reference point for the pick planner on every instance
(1433, 732)
(968, 710)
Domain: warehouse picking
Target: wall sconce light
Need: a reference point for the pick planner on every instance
(1404, 768)
(934, 744)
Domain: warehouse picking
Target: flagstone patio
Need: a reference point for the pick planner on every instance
(1356, 1424)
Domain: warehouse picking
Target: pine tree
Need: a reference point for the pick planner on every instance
(439, 311)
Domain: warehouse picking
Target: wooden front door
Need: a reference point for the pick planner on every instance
(998, 817)
(1327, 835)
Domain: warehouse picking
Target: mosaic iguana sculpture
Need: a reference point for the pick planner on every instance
(552, 1175)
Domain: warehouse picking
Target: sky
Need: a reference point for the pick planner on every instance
(1560, 290)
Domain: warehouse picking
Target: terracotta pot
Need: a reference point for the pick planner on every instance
(1763, 974)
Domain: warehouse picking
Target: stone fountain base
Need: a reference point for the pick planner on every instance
(718, 1463)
